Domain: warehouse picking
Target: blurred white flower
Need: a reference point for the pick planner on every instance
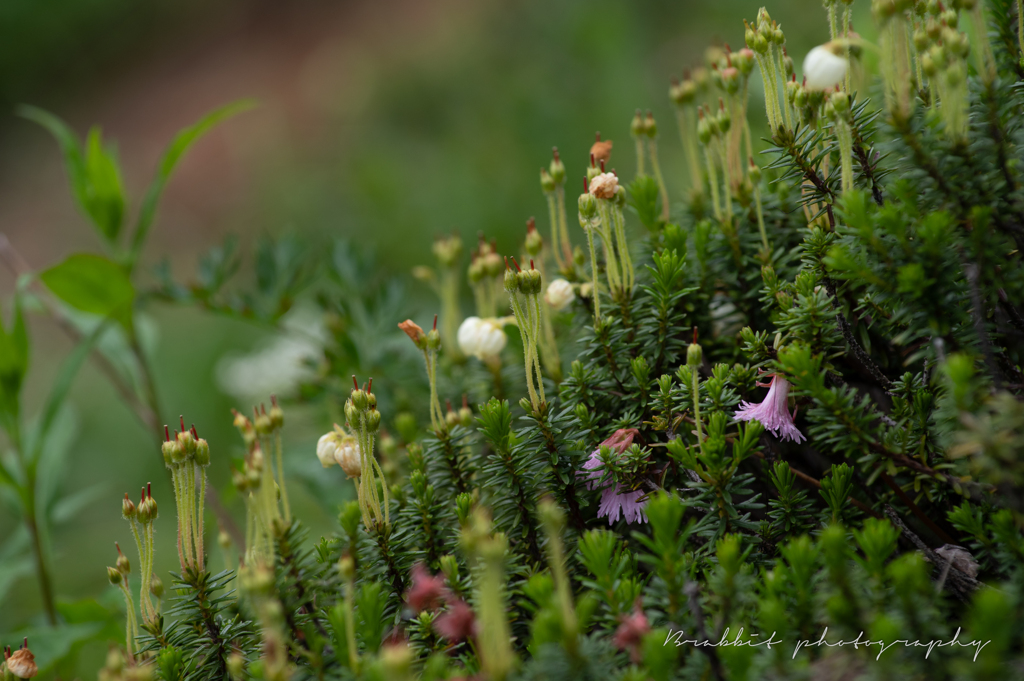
(326, 448)
(559, 294)
(824, 68)
(278, 365)
(339, 447)
(481, 338)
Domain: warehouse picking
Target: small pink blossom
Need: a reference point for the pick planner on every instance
(631, 632)
(773, 412)
(614, 501)
(457, 622)
(427, 591)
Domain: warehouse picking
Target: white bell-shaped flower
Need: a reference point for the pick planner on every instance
(481, 338)
(824, 67)
(559, 294)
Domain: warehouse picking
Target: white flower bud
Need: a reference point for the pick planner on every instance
(824, 68)
(559, 294)
(326, 449)
(481, 338)
(604, 186)
(347, 456)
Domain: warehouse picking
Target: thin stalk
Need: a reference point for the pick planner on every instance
(696, 407)
(555, 230)
(279, 455)
(712, 181)
(563, 227)
(200, 527)
(593, 269)
(760, 219)
(656, 167)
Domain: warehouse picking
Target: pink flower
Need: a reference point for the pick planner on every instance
(426, 591)
(773, 413)
(631, 632)
(614, 501)
(457, 622)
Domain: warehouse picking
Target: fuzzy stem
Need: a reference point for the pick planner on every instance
(712, 181)
(696, 407)
(200, 527)
(760, 218)
(627, 261)
(593, 269)
(555, 229)
(639, 143)
(656, 167)
(279, 455)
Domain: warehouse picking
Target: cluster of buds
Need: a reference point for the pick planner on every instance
(942, 53)
(256, 483)
(118, 576)
(448, 251)
(524, 288)
(21, 664)
(463, 416)
(645, 136)
(429, 344)
(766, 40)
(364, 421)
(141, 519)
(600, 212)
(894, 21)
(187, 455)
(685, 95)
(552, 183)
(485, 277)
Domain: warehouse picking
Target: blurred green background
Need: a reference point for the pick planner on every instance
(386, 123)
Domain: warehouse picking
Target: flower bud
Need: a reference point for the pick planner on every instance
(360, 400)
(123, 566)
(156, 586)
(127, 508)
(448, 250)
(694, 355)
(587, 206)
(202, 453)
(114, 576)
(557, 168)
(187, 443)
(636, 126)
(347, 568)
(373, 421)
(511, 283)
(724, 117)
(731, 79)
(465, 417)
(276, 414)
(650, 126)
(754, 172)
(530, 282)
(482, 338)
(559, 294)
(239, 480)
(547, 183)
(433, 339)
(148, 511)
(744, 61)
(534, 242)
(171, 453)
(703, 129)
(224, 540)
(451, 419)
(263, 424)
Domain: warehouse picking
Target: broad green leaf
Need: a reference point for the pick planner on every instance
(94, 174)
(105, 193)
(179, 145)
(13, 361)
(93, 284)
(68, 142)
